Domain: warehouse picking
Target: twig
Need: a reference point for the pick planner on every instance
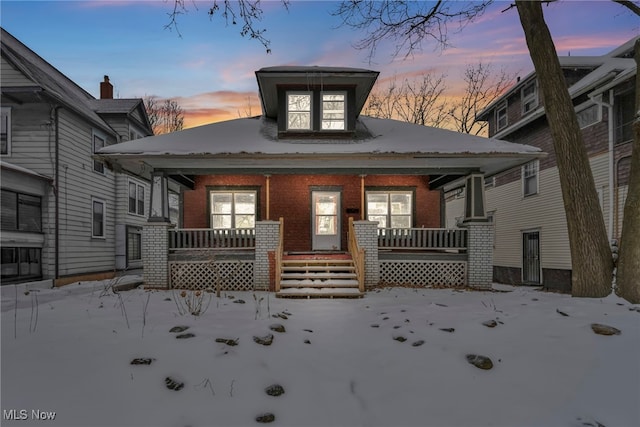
(144, 313)
(231, 388)
(15, 315)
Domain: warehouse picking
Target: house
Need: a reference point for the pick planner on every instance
(65, 215)
(525, 203)
(311, 197)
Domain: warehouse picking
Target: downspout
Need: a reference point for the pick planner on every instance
(610, 153)
(56, 188)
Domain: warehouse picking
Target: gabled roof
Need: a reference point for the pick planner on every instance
(270, 78)
(124, 106)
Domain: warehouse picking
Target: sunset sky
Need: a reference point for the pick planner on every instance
(209, 68)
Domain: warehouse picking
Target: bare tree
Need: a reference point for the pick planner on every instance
(484, 85)
(416, 101)
(246, 13)
(629, 262)
(166, 116)
(591, 260)
(408, 23)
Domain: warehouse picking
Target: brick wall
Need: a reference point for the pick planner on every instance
(367, 237)
(290, 198)
(267, 239)
(480, 254)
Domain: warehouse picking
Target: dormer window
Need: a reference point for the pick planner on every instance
(529, 97)
(333, 111)
(299, 111)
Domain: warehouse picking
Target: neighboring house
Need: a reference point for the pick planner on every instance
(525, 203)
(65, 215)
(314, 161)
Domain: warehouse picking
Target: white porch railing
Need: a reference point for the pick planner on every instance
(209, 238)
(423, 238)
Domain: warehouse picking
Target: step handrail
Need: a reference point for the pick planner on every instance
(357, 253)
(279, 254)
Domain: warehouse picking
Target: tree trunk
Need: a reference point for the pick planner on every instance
(591, 260)
(628, 279)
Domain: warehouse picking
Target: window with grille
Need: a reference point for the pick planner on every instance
(20, 212)
(136, 198)
(233, 209)
(333, 111)
(501, 116)
(530, 178)
(529, 97)
(391, 209)
(299, 111)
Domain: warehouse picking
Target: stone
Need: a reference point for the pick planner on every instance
(185, 336)
(482, 362)
(417, 343)
(562, 313)
(239, 301)
(142, 361)
(227, 341)
(266, 340)
(178, 329)
(490, 323)
(601, 329)
(450, 330)
(266, 418)
(277, 327)
(307, 342)
(173, 384)
(375, 325)
(400, 338)
(274, 390)
(308, 330)
(281, 316)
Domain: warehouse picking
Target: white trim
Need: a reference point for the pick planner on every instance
(6, 112)
(139, 186)
(532, 100)
(104, 218)
(94, 134)
(344, 111)
(500, 107)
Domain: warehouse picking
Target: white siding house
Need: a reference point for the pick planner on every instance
(65, 215)
(531, 238)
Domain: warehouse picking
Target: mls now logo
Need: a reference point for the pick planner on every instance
(23, 414)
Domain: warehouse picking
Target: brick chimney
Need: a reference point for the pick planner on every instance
(106, 89)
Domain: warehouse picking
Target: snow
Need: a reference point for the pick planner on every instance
(68, 351)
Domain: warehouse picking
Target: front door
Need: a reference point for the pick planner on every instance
(531, 258)
(325, 220)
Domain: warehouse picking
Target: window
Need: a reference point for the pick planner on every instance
(136, 198)
(501, 116)
(233, 209)
(98, 218)
(20, 212)
(5, 131)
(133, 134)
(333, 111)
(392, 209)
(529, 96)
(98, 143)
(299, 111)
(490, 182)
(530, 178)
(21, 263)
(624, 110)
(588, 116)
(134, 243)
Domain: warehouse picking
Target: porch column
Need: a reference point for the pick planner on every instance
(480, 254)
(159, 211)
(474, 200)
(155, 254)
(367, 237)
(267, 240)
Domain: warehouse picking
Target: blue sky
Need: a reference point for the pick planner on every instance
(209, 68)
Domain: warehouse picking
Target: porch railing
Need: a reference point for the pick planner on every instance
(209, 238)
(357, 254)
(423, 238)
(278, 257)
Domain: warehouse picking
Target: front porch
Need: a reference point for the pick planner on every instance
(254, 259)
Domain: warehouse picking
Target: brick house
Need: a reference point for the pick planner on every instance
(313, 198)
(525, 203)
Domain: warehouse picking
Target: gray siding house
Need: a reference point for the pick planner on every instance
(525, 203)
(65, 215)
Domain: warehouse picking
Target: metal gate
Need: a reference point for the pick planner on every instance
(531, 258)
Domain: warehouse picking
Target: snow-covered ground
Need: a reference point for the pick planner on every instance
(69, 351)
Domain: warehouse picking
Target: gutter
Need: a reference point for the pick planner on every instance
(56, 113)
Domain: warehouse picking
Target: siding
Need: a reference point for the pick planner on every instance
(544, 211)
(12, 77)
